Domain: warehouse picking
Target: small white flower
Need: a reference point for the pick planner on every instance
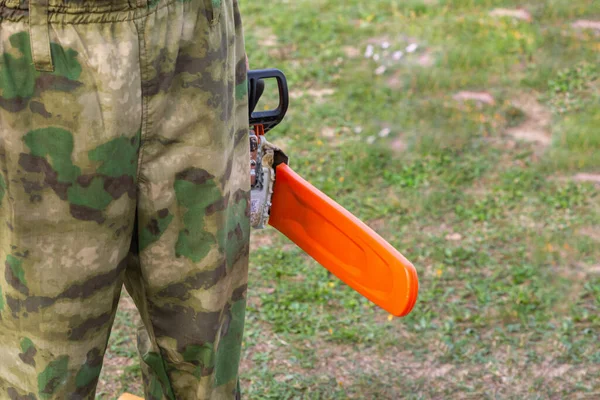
(397, 55)
(385, 45)
(384, 132)
(411, 48)
(369, 51)
(358, 129)
(376, 57)
(380, 70)
(371, 139)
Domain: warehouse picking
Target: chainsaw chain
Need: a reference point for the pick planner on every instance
(262, 180)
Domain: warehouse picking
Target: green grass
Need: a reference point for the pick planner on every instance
(505, 239)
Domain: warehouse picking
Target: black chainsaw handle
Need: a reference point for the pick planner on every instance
(256, 85)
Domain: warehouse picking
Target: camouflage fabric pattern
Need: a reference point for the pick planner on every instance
(127, 164)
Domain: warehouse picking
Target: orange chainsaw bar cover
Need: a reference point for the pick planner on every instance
(128, 396)
(342, 243)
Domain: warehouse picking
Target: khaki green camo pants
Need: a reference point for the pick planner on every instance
(124, 159)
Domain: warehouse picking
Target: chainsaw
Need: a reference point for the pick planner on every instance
(326, 231)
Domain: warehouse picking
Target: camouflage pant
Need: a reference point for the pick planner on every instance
(123, 159)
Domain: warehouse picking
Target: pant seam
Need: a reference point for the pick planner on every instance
(144, 72)
(145, 127)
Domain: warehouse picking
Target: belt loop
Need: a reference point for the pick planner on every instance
(39, 35)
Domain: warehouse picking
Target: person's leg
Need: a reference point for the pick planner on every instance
(193, 203)
(69, 141)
